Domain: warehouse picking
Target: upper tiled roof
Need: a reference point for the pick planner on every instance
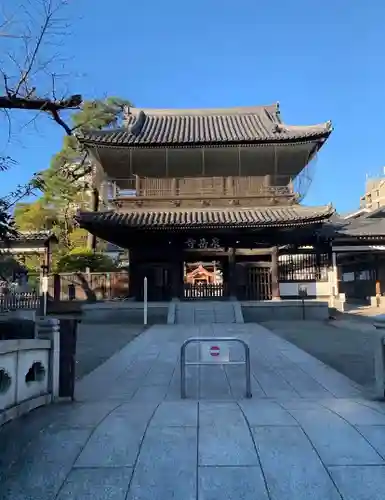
(146, 127)
(194, 219)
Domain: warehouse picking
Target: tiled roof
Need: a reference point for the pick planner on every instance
(365, 228)
(194, 219)
(367, 225)
(32, 236)
(255, 124)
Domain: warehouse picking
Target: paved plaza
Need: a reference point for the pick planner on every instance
(308, 431)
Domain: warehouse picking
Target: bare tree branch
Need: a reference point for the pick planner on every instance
(28, 82)
(24, 94)
(59, 121)
(36, 48)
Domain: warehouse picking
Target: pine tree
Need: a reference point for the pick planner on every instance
(69, 183)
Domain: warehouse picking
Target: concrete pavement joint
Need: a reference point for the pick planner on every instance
(197, 456)
(256, 450)
(356, 429)
(316, 452)
(139, 450)
(83, 447)
(362, 403)
(273, 369)
(297, 365)
(144, 377)
(259, 385)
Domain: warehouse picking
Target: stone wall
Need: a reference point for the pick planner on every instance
(125, 312)
(256, 312)
(28, 377)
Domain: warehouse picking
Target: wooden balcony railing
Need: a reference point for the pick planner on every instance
(193, 187)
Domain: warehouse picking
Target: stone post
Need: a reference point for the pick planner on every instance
(49, 328)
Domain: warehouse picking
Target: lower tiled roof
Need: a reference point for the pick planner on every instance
(26, 236)
(366, 228)
(35, 235)
(226, 218)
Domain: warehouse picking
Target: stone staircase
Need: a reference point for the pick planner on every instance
(200, 312)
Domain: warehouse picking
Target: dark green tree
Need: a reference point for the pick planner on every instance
(69, 183)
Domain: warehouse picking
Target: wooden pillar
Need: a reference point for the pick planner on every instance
(275, 295)
(229, 186)
(378, 281)
(91, 238)
(335, 275)
(47, 256)
(56, 287)
(135, 276)
(232, 285)
(177, 278)
(174, 187)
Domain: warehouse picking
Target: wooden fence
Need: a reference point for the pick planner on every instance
(89, 286)
(204, 291)
(23, 300)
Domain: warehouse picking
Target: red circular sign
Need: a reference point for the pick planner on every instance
(214, 350)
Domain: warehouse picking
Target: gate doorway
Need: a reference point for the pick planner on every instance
(203, 280)
(158, 281)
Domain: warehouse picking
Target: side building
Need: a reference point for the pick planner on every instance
(359, 247)
(374, 196)
(211, 185)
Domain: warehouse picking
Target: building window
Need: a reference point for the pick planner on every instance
(366, 275)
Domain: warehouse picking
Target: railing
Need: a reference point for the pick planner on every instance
(22, 300)
(195, 187)
(217, 352)
(204, 291)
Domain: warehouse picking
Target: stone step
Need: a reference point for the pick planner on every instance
(206, 312)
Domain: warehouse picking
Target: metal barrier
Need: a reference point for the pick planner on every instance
(215, 358)
(379, 368)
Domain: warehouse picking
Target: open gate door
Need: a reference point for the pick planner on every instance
(254, 280)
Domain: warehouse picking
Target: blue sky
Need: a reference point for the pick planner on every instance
(320, 60)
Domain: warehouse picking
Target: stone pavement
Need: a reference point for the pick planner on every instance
(346, 345)
(307, 433)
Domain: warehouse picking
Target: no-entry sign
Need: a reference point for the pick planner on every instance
(217, 352)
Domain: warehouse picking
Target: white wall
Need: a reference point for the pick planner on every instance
(314, 288)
